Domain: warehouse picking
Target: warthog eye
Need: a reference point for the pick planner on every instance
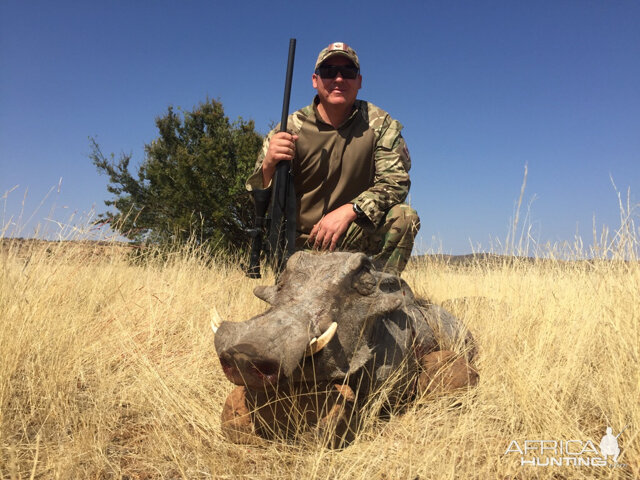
(364, 282)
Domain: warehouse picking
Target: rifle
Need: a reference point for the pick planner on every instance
(282, 214)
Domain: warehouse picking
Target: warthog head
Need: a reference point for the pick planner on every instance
(319, 326)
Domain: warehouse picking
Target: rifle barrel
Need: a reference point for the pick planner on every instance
(287, 85)
(281, 211)
(283, 219)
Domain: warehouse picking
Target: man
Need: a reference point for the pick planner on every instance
(350, 168)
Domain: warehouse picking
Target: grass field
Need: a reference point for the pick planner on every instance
(107, 370)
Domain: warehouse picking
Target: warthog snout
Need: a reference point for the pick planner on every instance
(244, 365)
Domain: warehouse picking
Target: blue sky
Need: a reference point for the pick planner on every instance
(483, 88)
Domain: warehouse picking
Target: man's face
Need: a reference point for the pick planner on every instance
(337, 91)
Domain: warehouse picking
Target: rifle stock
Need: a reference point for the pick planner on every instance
(261, 202)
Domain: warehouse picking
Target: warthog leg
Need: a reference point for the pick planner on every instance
(324, 415)
(445, 371)
(237, 424)
(337, 427)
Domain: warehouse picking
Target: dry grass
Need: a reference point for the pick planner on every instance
(108, 371)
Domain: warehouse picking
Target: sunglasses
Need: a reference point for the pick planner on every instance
(331, 71)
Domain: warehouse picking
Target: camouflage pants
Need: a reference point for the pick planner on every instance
(391, 243)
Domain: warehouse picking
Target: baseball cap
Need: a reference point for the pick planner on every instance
(338, 48)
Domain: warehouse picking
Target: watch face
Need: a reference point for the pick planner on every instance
(358, 210)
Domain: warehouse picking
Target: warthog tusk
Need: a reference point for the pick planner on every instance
(317, 344)
(216, 321)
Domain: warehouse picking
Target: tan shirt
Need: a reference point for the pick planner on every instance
(363, 161)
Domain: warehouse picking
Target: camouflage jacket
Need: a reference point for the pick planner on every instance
(364, 161)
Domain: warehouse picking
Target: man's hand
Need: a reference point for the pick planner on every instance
(326, 233)
(281, 147)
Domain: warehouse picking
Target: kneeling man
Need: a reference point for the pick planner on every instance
(350, 166)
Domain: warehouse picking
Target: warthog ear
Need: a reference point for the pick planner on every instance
(266, 293)
(392, 284)
(393, 293)
(355, 262)
(358, 267)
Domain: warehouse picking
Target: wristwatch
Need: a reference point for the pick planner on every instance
(358, 210)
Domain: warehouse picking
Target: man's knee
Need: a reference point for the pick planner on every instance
(403, 219)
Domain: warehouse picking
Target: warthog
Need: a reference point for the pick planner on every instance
(337, 333)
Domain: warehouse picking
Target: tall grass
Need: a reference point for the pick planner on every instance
(107, 368)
